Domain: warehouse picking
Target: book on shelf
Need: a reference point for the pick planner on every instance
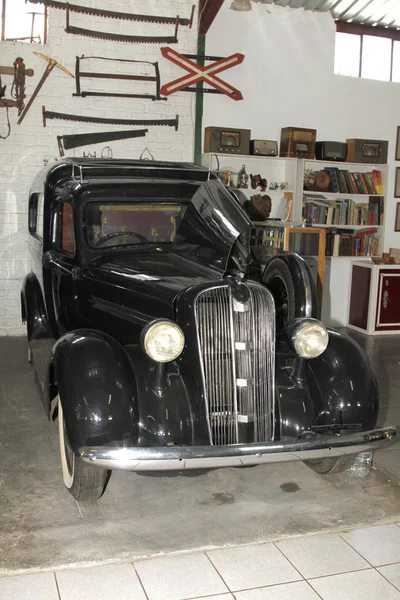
(345, 242)
(343, 181)
(342, 211)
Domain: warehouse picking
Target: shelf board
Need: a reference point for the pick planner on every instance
(320, 225)
(344, 165)
(257, 191)
(341, 196)
(250, 156)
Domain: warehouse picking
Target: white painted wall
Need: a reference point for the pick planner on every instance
(22, 154)
(287, 79)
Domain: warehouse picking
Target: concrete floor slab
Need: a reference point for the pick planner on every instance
(42, 527)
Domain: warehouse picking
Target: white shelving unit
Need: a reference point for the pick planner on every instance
(317, 165)
(273, 169)
(335, 302)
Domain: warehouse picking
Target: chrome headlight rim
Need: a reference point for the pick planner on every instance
(298, 337)
(155, 327)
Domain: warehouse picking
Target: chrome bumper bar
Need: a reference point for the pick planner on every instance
(177, 458)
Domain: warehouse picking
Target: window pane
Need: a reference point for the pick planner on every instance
(375, 63)
(21, 23)
(67, 232)
(396, 62)
(347, 54)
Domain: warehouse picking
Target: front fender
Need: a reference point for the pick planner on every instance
(338, 388)
(97, 390)
(343, 384)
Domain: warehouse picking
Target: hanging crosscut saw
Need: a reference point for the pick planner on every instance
(85, 73)
(66, 142)
(47, 114)
(97, 12)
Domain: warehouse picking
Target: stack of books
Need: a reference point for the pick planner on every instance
(319, 210)
(343, 181)
(363, 242)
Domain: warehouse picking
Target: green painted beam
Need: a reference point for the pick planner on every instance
(198, 127)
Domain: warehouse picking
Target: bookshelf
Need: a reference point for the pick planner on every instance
(352, 208)
(274, 169)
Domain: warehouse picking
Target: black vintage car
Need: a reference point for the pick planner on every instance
(160, 345)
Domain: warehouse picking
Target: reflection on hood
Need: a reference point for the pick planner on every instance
(212, 223)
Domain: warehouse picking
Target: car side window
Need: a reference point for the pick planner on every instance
(67, 229)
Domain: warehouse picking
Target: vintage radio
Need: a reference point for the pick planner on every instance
(331, 151)
(264, 147)
(367, 151)
(231, 141)
(298, 142)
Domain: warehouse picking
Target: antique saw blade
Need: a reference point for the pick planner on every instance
(110, 14)
(118, 37)
(47, 114)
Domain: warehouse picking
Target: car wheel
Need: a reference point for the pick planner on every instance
(84, 481)
(330, 466)
(277, 277)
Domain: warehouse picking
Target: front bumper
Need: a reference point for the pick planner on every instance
(177, 458)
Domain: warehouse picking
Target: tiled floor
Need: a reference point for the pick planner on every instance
(359, 564)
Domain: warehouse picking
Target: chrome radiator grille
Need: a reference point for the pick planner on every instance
(237, 340)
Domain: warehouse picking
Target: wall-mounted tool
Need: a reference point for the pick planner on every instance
(48, 114)
(80, 74)
(51, 63)
(198, 73)
(97, 12)
(65, 142)
(19, 72)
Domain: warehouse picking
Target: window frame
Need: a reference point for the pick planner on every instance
(3, 26)
(58, 224)
(361, 30)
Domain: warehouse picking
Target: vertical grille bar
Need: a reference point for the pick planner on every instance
(213, 317)
(263, 326)
(238, 361)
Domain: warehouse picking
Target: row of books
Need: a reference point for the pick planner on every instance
(363, 242)
(320, 210)
(349, 182)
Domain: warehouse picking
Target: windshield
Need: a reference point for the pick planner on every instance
(120, 224)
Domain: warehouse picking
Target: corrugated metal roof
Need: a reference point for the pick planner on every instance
(382, 13)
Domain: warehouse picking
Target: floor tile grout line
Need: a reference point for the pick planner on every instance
(339, 573)
(355, 550)
(140, 581)
(289, 561)
(209, 559)
(314, 590)
(57, 586)
(388, 580)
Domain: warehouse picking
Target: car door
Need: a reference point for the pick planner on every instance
(65, 271)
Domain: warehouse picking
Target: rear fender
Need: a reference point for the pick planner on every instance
(97, 388)
(33, 309)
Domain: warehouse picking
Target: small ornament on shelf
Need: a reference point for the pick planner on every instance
(243, 178)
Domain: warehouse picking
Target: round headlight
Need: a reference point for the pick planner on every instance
(310, 339)
(163, 341)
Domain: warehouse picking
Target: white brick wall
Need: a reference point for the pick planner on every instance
(23, 153)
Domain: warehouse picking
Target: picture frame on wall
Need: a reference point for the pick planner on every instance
(397, 218)
(397, 152)
(397, 183)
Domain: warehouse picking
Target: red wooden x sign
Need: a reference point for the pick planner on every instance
(198, 73)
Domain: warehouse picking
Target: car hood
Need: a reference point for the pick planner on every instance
(148, 281)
